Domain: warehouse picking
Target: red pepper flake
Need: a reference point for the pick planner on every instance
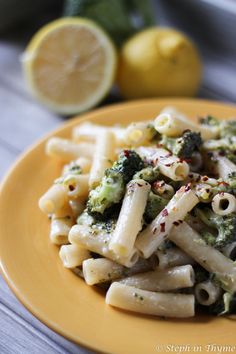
(198, 178)
(164, 212)
(185, 160)
(205, 178)
(176, 223)
(223, 183)
(163, 226)
(169, 164)
(126, 153)
(187, 188)
(221, 153)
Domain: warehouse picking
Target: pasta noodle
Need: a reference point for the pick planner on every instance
(129, 222)
(224, 203)
(77, 207)
(163, 189)
(60, 228)
(100, 270)
(67, 150)
(103, 156)
(169, 165)
(173, 123)
(162, 279)
(88, 132)
(77, 185)
(207, 293)
(173, 257)
(73, 255)
(55, 198)
(155, 233)
(83, 236)
(148, 302)
(230, 251)
(224, 167)
(208, 257)
(139, 133)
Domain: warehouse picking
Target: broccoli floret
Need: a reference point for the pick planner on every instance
(97, 226)
(127, 164)
(148, 174)
(210, 120)
(155, 204)
(208, 237)
(228, 128)
(183, 146)
(111, 190)
(226, 225)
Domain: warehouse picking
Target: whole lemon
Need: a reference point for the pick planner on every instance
(159, 62)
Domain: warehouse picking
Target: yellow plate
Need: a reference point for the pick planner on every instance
(61, 300)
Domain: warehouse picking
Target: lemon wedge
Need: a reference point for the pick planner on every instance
(70, 65)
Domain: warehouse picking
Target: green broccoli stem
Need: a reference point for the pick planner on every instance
(107, 196)
(208, 237)
(225, 225)
(149, 174)
(155, 204)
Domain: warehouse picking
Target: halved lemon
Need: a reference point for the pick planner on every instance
(70, 65)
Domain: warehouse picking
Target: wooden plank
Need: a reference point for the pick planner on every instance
(22, 333)
(23, 121)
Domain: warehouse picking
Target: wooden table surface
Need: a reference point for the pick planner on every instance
(22, 122)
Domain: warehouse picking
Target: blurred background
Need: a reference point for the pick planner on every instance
(210, 24)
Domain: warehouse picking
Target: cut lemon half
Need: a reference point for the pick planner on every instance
(70, 65)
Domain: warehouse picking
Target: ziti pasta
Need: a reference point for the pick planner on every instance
(148, 211)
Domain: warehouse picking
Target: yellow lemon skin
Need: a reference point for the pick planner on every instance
(70, 65)
(159, 62)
